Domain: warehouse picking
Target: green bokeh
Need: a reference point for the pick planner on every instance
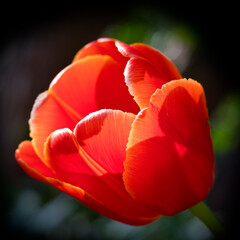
(225, 123)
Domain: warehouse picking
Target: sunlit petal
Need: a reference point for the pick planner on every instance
(47, 115)
(104, 135)
(170, 148)
(142, 80)
(159, 61)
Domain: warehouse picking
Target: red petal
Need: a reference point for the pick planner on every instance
(103, 46)
(128, 51)
(147, 70)
(142, 80)
(75, 87)
(112, 91)
(74, 165)
(93, 83)
(47, 115)
(159, 61)
(104, 135)
(31, 163)
(171, 149)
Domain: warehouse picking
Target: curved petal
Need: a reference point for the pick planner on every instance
(32, 165)
(102, 46)
(47, 115)
(142, 80)
(104, 135)
(81, 159)
(147, 70)
(170, 148)
(93, 83)
(75, 87)
(159, 61)
(128, 51)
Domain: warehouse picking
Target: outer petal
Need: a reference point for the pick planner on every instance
(32, 165)
(171, 149)
(147, 70)
(81, 159)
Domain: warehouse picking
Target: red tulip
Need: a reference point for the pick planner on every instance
(121, 131)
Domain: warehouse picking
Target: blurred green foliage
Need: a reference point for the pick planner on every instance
(225, 122)
(175, 39)
(141, 25)
(62, 217)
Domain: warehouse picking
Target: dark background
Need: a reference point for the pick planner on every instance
(40, 39)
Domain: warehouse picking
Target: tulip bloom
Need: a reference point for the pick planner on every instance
(120, 130)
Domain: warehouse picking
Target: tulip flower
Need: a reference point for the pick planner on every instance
(123, 132)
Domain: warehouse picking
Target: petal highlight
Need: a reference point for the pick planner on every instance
(47, 115)
(142, 80)
(104, 135)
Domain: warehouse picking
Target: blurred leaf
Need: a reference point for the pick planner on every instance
(225, 122)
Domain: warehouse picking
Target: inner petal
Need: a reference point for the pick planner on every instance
(104, 135)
